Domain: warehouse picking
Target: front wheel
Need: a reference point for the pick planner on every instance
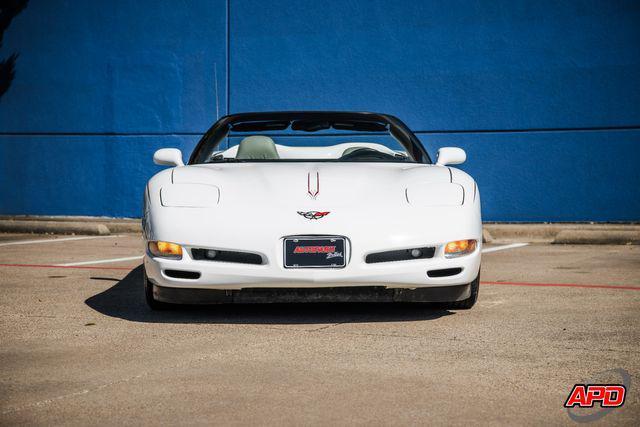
(466, 304)
(153, 303)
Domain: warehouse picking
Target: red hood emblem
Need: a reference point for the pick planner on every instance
(313, 185)
(313, 214)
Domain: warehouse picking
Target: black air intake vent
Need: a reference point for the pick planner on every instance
(401, 255)
(226, 256)
(182, 274)
(444, 272)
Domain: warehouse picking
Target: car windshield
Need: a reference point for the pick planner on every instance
(304, 140)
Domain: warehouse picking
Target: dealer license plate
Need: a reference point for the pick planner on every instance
(314, 252)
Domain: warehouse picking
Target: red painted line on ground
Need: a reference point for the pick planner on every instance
(564, 285)
(66, 266)
(553, 285)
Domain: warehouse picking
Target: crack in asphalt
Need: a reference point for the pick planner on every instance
(44, 402)
(322, 328)
(86, 391)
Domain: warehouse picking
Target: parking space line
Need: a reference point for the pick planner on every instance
(65, 239)
(564, 285)
(504, 247)
(66, 266)
(99, 261)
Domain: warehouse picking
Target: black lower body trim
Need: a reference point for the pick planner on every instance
(296, 295)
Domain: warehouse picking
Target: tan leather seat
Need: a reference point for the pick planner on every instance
(257, 147)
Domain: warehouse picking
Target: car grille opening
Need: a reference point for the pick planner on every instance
(200, 254)
(182, 274)
(401, 255)
(444, 272)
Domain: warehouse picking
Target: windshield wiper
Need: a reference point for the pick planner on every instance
(224, 160)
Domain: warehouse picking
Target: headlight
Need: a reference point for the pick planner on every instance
(189, 196)
(165, 250)
(434, 194)
(459, 248)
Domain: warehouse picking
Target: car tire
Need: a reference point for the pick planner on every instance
(466, 304)
(153, 303)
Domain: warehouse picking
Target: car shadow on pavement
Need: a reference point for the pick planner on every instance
(125, 300)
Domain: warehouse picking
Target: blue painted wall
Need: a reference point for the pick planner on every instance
(543, 95)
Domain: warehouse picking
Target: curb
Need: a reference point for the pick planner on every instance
(567, 234)
(124, 227)
(54, 227)
(597, 237)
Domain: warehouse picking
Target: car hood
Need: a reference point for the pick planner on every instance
(313, 185)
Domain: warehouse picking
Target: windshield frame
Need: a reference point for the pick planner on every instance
(211, 140)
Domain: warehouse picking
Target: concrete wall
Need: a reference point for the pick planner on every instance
(544, 96)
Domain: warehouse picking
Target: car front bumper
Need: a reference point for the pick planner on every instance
(408, 274)
(402, 228)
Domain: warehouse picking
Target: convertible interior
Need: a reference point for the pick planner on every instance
(263, 148)
(289, 136)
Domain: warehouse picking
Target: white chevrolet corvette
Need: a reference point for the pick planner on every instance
(311, 206)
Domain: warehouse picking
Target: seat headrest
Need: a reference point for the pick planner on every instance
(257, 147)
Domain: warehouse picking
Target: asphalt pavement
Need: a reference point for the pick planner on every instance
(80, 347)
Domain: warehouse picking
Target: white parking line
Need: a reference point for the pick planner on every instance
(99, 261)
(505, 247)
(107, 261)
(65, 239)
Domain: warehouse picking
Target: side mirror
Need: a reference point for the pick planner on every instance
(451, 156)
(168, 157)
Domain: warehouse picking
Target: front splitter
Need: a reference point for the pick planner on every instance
(309, 295)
